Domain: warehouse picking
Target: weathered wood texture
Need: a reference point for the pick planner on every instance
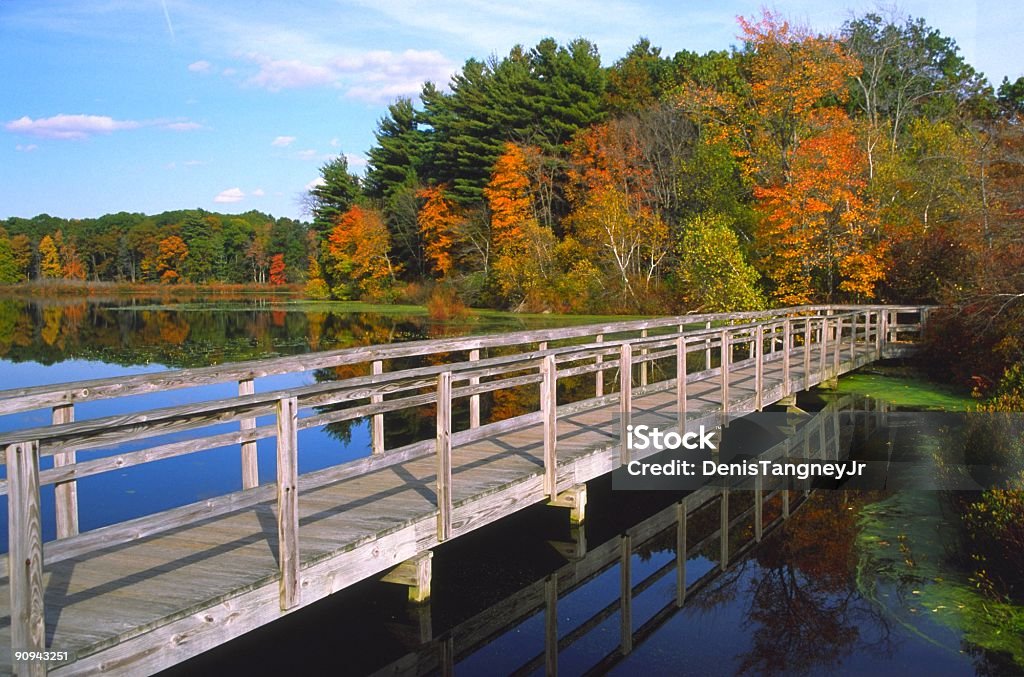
(150, 592)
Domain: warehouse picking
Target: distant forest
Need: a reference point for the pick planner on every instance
(871, 165)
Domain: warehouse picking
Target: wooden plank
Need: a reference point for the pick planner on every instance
(444, 456)
(65, 493)
(377, 421)
(250, 462)
(599, 375)
(28, 632)
(288, 501)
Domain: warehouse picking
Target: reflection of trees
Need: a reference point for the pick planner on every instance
(805, 611)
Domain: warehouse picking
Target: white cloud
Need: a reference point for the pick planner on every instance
(335, 142)
(318, 181)
(230, 195)
(27, 148)
(258, 193)
(355, 161)
(278, 74)
(64, 126)
(282, 141)
(69, 126)
(200, 66)
(182, 126)
(308, 154)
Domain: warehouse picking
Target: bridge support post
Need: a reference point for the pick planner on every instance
(575, 499)
(414, 573)
(575, 548)
(66, 493)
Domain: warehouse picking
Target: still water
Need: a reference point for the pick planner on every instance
(852, 583)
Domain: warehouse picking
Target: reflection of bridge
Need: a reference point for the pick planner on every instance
(683, 526)
(151, 592)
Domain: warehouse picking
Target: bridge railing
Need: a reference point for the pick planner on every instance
(700, 346)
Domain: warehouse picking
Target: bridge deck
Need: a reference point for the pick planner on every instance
(191, 582)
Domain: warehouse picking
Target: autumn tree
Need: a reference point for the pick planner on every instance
(358, 255)
(522, 247)
(277, 270)
(440, 221)
(172, 253)
(49, 259)
(9, 273)
(316, 287)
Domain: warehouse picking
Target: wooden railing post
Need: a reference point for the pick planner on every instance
(549, 410)
(787, 340)
(25, 558)
(878, 334)
(474, 400)
(377, 420)
(808, 334)
(65, 493)
(288, 500)
(725, 361)
(643, 363)
(681, 382)
(599, 375)
(853, 340)
(250, 462)
(838, 346)
(759, 367)
(444, 455)
(824, 347)
(707, 348)
(625, 396)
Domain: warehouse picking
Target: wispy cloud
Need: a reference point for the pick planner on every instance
(27, 148)
(230, 195)
(282, 141)
(64, 126)
(308, 154)
(200, 66)
(259, 192)
(278, 74)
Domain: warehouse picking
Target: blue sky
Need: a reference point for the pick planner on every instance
(147, 106)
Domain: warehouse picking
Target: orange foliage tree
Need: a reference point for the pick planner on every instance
(522, 247)
(277, 270)
(171, 254)
(358, 255)
(439, 222)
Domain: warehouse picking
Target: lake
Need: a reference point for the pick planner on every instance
(854, 582)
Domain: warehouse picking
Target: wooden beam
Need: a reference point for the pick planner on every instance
(65, 493)
(643, 362)
(474, 400)
(549, 409)
(807, 353)
(625, 394)
(444, 455)
(28, 632)
(415, 574)
(599, 375)
(250, 462)
(377, 420)
(288, 500)
(574, 498)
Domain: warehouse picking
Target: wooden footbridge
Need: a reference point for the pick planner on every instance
(144, 594)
